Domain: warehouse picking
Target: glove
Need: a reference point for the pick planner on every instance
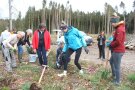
(13, 49)
(86, 50)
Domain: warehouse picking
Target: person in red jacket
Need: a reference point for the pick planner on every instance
(118, 47)
(41, 43)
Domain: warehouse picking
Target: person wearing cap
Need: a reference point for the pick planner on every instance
(74, 41)
(41, 43)
(9, 46)
(118, 47)
(22, 42)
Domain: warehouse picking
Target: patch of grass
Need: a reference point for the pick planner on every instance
(131, 78)
(105, 74)
(5, 88)
(25, 86)
(52, 87)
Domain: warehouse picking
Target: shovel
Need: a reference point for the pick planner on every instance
(40, 79)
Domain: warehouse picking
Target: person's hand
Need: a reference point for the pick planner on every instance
(86, 50)
(34, 50)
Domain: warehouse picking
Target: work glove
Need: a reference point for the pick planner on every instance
(86, 50)
(13, 49)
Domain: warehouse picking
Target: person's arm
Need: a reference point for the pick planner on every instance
(65, 45)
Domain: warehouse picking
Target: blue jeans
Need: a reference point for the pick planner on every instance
(42, 55)
(20, 49)
(115, 62)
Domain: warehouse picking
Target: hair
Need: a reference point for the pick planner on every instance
(21, 33)
(29, 31)
(42, 25)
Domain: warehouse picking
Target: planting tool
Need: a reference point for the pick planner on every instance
(45, 66)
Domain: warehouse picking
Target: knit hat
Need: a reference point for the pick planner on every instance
(63, 26)
(114, 18)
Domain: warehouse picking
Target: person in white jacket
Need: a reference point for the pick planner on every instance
(4, 35)
(9, 47)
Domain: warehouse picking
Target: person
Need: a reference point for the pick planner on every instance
(41, 43)
(101, 45)
(4, 35)
(109, 40)
(118, 47)
(9, 48)
(22, 42)
(74, 41)
(59, 56)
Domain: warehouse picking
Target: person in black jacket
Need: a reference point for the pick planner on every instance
(22, 42)
(101, 45)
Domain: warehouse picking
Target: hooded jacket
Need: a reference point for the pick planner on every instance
(73, 39)
(119, 38)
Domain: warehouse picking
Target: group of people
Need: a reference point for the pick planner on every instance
(74, 41)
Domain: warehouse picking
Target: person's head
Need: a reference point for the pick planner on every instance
(29, 32)
(114, 19)
(61, 44)
(64, 27)
(20, 34)
(42, 27)
(102, 33)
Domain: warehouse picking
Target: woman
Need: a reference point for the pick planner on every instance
(22, 42)
(101, 45)
(74, 41)
(9, 48)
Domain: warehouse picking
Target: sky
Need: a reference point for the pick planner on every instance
(81, 5)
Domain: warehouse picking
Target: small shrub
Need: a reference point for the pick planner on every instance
(105, 74)
(131, 78)
(25, 86)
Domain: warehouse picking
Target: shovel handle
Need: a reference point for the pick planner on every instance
(42, 75)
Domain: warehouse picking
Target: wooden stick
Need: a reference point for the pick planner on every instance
(43, 70)
(42, 75)
(107, 58)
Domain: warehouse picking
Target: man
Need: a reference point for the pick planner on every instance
(118, 47)
(74, 41)
(9, 48)
(22, 42)
(41, 43)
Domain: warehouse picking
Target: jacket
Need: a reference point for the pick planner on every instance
(73, 39)
(47, 40)
(103, 39)
(119, 38)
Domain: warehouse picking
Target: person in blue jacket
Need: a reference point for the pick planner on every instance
(74, 41)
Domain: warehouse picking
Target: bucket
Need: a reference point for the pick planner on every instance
(32, 57)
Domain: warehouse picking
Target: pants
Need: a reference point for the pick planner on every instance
(9, 59)
(101, 51)
(115, 62)
(20, 53)
(77, 56)
(42, 55)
